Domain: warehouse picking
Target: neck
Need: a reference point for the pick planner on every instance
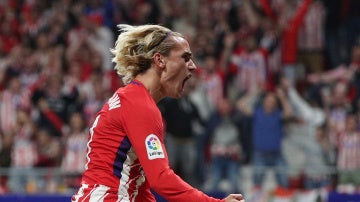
(151, 81)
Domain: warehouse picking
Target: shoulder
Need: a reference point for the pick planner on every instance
(136, 100)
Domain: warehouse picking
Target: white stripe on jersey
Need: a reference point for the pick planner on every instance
(91, 137)
(139, 181)
(80, 193)
(114, 102)
(125, 173)
(99, 193)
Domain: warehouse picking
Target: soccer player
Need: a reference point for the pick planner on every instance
(126, 155)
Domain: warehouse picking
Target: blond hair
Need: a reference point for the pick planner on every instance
(136, 46)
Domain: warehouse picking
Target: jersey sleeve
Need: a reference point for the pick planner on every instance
(144, 128)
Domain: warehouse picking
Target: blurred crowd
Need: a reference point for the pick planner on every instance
(277, 86)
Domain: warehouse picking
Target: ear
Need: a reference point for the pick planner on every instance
(159, 60)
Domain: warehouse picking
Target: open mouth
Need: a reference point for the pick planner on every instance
(186, 78)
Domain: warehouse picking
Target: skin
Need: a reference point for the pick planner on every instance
(269, 102)
(167, 76)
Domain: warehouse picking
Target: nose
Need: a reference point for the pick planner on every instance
(192, 65)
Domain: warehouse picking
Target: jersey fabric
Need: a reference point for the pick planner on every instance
(126, 153)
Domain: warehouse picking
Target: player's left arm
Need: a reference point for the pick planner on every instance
(145, 133)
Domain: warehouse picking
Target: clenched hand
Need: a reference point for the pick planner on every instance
(235, 198)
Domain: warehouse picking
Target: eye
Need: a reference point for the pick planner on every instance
(187, 57)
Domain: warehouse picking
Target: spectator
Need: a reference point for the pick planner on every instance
(311, 38)
(208, 92)
(348, 162)
(267, 35)
(337, 105)
(213, 82)
(289, 23)
(93, 94)
(12, 98)
(250, 64)
(54, 104)
(225, 148)
(307, 141)
(49, 148)
(24, 155)
(342, 72)
(75, 144)
(180, 116)
(319, 152)
(12, 64)
(82, 54)
(346, 74)
(268, 132)
(101, 38)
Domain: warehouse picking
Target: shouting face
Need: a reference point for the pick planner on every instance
(178, 67)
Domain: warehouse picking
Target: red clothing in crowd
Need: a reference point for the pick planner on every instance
(290, 33)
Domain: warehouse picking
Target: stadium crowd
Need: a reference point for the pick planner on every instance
(277, 86)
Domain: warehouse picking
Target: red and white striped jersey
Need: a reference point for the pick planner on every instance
(251, 68)
(311, 33)
(74, 159)
(349, 152)
(126, 155)
(24, 153)
(9, 103)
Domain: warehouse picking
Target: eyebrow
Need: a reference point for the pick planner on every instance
(186, 54)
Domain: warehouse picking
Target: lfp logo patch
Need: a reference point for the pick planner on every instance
(153, 147)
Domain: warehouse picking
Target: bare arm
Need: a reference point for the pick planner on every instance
(246, 103)
(284, 101)
(229, 41)
(252, 16)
